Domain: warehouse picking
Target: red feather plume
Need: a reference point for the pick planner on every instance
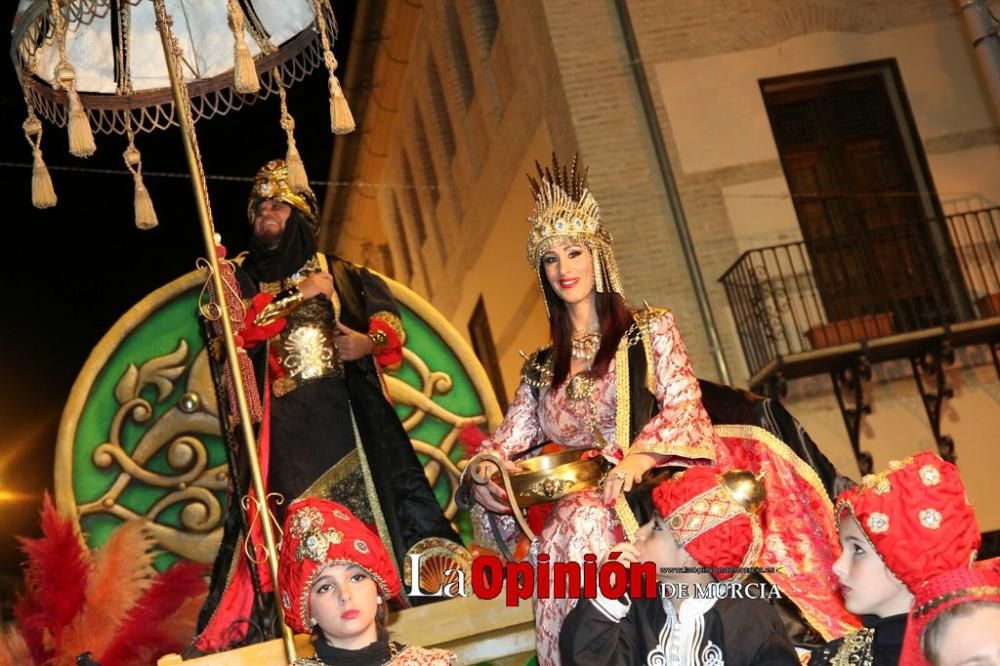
(142, 629)
(55, 579)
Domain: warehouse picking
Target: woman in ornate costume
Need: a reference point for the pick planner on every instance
(620, 381)
(568, 390)
(336, 579)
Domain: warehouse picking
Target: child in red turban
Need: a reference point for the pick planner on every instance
(897, 529)
(336, 578)
(703, 530)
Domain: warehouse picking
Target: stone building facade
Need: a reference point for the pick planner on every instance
(456, 99)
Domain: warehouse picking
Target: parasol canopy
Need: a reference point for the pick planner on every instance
(98, 66)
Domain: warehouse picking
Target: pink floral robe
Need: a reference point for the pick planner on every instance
(581, 524)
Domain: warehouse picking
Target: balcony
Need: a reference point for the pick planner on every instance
(838, 303)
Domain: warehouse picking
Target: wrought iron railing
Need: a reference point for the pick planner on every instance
(802, 296)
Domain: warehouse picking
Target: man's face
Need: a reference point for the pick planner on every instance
(269, 221)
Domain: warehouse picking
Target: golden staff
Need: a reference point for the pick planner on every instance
(182, 107)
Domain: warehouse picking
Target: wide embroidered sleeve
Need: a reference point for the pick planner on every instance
(681, 429)
(520, 429)
(385, 328)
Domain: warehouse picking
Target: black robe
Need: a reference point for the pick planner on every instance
(729, 631)
(879, 643)
(311, 431)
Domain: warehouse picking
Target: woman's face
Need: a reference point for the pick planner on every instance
(869, 588)
(344, 601)
(569, 268)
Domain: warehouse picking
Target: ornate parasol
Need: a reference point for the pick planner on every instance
(131, 66)
(99, 66)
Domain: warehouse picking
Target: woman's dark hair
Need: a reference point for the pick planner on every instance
(613, 315)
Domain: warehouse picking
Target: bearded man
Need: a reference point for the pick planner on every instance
(319, 330)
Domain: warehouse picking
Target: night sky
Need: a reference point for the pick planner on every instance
(69, 272)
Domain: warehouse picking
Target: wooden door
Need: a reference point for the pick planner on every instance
(856, 198)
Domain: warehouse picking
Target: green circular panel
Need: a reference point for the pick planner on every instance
(140, 436)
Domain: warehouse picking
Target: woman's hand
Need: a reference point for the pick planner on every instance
(626, 474)
(490, 495)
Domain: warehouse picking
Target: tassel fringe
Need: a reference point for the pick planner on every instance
(145, 214)
(244, 69)
(81, 137)
(297, 179)
(341, 118)
(43, 194)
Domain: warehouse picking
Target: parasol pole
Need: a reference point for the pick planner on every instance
(183, 112)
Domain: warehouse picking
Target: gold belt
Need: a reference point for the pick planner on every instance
(306, 353)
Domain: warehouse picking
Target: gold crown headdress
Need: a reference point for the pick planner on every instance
(565, 209)
(271, 182)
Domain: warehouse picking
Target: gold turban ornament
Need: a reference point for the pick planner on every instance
(271, 182)
(565, 210)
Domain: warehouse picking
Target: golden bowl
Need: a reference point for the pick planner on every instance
(550, 477)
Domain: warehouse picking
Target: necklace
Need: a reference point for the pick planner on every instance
(584, 344)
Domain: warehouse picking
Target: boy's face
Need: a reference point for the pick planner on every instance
(869, 588)
(656, 544)
(344, 601)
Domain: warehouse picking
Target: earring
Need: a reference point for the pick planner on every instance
(312, 622)
(378, 599)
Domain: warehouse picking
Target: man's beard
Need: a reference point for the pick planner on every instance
(268, 240)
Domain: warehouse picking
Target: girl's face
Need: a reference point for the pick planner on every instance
(569, 268)
(868, 587)
(656, 544)
(344, 601)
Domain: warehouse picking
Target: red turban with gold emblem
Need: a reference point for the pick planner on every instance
(319, 533)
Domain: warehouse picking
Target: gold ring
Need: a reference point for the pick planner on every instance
(620, 476)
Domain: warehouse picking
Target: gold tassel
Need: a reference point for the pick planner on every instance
(43, 194)
(145, 214)
(341, 118)
(81, 137)
(298, 181)
(244, 69)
